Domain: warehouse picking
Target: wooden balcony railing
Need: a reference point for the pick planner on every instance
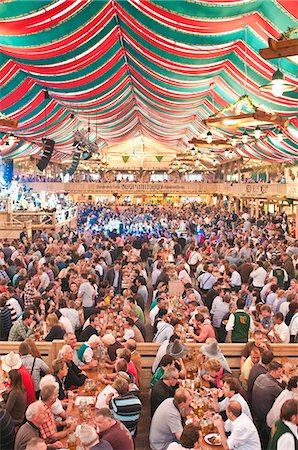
(260, 190)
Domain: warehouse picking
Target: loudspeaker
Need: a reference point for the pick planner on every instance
(48, 148)
(75, 163)
(8, 170)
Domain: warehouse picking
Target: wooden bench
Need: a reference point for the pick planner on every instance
(46, 349)
(148, 350)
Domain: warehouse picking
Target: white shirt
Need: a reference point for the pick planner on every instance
(238, 398)
(283, 331)
(87, 355)
(15, 305)
(153, 313)
(73, 317)
(287, 441)
(284, 308)
(129, 334)
(294, 325)
(65, 322)
(274, 412)
(184, 277)
(244, 435)
(160, 353)
(235, 279)
(259, 276)
(206, 280)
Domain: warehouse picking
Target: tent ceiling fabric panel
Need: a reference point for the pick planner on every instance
(140, 69)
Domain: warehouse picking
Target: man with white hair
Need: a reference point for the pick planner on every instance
(35, 416)
(90, 439)
(57, 408)
(75, 377)
(36, 443)
(85, 352)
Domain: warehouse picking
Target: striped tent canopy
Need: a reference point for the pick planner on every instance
(120, 70)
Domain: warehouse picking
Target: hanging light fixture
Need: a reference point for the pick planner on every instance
(278, 85)
(279, 135)
(245, 137)
(209, 137)
(258, 132)
(231, 154)
(193, 151)
(234, 141)
(226, 153)
(11, 139)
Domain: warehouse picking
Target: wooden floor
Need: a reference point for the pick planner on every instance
(142, 439)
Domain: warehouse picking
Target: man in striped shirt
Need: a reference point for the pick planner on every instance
(126, 407)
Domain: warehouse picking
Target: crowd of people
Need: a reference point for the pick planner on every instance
(166, 275)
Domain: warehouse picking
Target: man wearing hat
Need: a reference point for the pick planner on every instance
(13, 361)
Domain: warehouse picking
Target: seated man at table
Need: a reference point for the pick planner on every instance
(48, 429)
(89, 438)
(74, 377)
(259, 342)
(166, 424)
(231, 390)
(113, 430)
(254, 358)
(164, 388)
(35, 416)
(126, 407)
(86, 351)
(244, 435)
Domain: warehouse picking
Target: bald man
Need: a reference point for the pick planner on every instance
(244, 435)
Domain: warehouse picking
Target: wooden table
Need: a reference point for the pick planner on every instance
(75, 412)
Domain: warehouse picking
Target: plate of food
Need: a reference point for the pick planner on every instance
(213, 439)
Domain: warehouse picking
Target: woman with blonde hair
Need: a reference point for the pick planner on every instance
(55, 329)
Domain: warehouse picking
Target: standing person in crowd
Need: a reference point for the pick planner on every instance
(285, 434)
(240, 324)
(35, 366)
(266, 389)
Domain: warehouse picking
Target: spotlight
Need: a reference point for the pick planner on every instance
(245, 138)
(258, 132)
(72, 116)
(209, 137)
(11, 139)
(234, 141)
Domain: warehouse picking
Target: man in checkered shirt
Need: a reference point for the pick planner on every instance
(48, 429)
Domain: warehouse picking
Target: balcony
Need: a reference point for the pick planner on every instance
(246, 190)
